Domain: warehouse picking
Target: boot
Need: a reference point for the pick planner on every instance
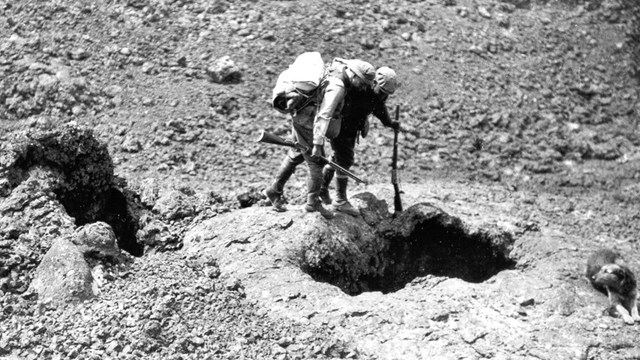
(314, 204)
(276, 198)
(275, 192)
(341, 203)
(314, 183)
(327, 176)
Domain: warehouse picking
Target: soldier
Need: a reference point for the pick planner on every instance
(359, 104)
(313, 123)
(355, 122)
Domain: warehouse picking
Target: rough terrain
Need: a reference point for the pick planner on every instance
(131, 224)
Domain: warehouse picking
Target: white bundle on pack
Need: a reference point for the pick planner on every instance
(297, 84)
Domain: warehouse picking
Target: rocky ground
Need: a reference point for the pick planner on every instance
(165, 306)
(142, 114)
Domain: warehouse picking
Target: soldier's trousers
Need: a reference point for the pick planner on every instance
(303, 133)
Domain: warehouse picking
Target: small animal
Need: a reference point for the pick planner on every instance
(607, 272)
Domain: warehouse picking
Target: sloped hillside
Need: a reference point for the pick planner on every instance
(499, 90)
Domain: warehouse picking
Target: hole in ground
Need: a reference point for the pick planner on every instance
(437, 249)
(438, 244)
(86, 186)
(112, 208)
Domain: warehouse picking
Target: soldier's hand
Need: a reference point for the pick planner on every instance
(395, 125)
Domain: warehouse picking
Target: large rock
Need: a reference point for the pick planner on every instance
(341, 252)
(63, 275)
(97, 239)
(174, 205)
(82, 162)
(51, 181)
(224, 70)
(31, 219)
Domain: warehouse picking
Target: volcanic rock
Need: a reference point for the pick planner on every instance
(96, 239)
(224, 70)
(63, 275)
(173, 204)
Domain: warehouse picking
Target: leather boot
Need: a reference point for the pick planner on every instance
(314, 183)
(341, 203)
(314, 204)
(327, 176)
(276, 199)
(275, 192)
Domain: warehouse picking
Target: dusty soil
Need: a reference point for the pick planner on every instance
(522, 115)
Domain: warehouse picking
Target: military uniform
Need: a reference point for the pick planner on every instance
(316, 121)
(358, 106)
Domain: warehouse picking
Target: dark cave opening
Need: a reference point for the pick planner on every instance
(440, 250)
(435, 244)
(110, 207)
(82, 178)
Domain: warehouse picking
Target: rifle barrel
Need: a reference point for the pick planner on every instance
(344, 171)
(269, 138)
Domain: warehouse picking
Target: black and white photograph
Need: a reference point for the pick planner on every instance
(319, 179)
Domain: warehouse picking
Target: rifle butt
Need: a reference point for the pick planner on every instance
(269, 138)
(397, 201)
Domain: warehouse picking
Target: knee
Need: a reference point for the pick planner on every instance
(345, 161)
(295, 157)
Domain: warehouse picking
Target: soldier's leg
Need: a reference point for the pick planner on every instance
(327, 176)
(303, 132)
(314, 182)
(343, 149)
(288, 166)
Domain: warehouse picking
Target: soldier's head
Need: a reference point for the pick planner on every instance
(385, 82)
(361, 74)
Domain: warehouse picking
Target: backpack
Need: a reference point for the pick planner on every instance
(297, 85)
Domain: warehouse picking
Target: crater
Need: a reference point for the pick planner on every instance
(111, 207)
(86, 186)
(423, 240)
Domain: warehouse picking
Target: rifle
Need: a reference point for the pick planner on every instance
(269, 138)
(397, 201)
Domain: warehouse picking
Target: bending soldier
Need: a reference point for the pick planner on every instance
(358, 105)
(355, 122)
(311, 126)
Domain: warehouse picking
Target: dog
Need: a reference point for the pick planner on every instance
(607, 272)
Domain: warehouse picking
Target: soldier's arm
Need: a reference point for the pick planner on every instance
(380, 111)
(333, 96)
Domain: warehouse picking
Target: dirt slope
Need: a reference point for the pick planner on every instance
(489, 89)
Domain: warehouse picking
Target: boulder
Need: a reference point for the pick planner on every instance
(31, 219)
(97, 239)
(156, 233)
(83, 164)
(174, 205)
(224, 70)
(341, 251)
(51, 181)
(63, 275)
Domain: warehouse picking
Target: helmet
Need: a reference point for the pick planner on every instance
(387, 80)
